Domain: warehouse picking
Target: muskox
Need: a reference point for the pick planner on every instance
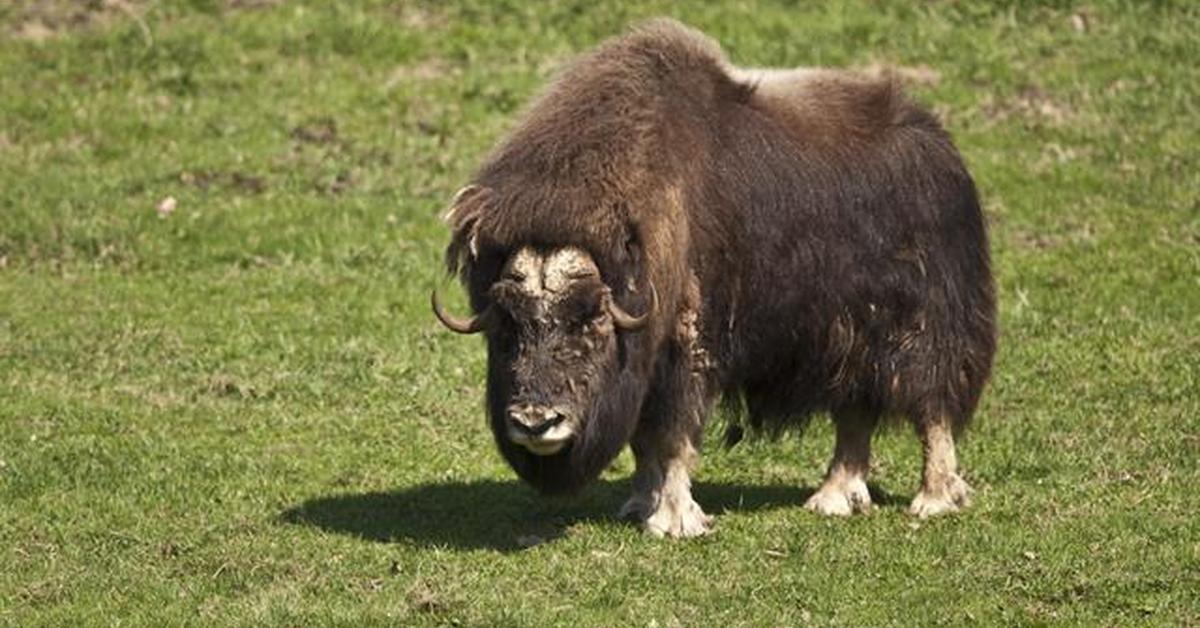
(662, 230)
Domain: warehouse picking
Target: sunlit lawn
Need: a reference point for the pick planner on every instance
(240, 410)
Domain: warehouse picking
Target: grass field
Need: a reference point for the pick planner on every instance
(240, 411)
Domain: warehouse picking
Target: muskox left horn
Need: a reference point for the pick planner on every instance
(625, 320)
(471, 325)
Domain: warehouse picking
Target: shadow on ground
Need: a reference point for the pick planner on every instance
(505, 515)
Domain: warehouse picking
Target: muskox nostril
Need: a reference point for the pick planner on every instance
(544, 426)
(534, 421)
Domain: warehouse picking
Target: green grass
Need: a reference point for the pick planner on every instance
(243, 412)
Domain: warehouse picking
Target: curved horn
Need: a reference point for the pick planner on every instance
(625, 320)
(471, 325)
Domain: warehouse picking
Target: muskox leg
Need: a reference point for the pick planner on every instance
(662, 489)
(942, 490)
(647, 485)
(844, 490)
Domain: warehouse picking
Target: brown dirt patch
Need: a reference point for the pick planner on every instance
(318, 131)
(1031, 103)
(39, 20)
(238, 181)
(913, 75)
(419, 18)
(421, 71)
(253, 4)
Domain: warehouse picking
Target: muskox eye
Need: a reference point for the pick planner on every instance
(506, 292)
(582, 309)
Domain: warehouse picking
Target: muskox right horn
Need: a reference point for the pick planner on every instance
(628, 322)
(471, 325)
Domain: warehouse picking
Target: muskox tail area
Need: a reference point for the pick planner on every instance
(930, 360)
(959, 362)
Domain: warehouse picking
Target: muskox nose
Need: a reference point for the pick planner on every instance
(534, 420)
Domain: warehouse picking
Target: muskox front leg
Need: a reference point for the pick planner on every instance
(668, 433)
(844, 491)
(942, 489)
(662, 489)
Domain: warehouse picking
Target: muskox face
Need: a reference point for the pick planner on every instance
(559, 391)
(556, 342)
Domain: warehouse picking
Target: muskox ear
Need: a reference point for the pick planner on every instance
(463, 216)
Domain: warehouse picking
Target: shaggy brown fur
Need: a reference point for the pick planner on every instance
(814, 241)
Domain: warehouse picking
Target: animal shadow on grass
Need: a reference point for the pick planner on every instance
(505, 515)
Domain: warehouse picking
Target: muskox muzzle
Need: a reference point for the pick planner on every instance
(543, 430)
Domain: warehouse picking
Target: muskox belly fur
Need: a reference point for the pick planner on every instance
(662, 229)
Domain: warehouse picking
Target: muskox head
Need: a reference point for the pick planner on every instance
(563, 396)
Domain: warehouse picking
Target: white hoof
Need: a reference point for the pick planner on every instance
(840, 498)
(678, 520)
(953, 495)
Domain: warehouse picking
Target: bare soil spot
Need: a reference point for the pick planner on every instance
(341, 182)
(237, 181)
(912, 75)
(252, 4)
(335, 161)
(1031, 103)
(319, 131)
(1073, 234)
(1032, 240)
(424, 599)
(426, 70)
(222, 385)
(419, 18)
(39, 20)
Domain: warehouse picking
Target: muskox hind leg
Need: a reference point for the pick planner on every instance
(942, 489)
(844, 491)
(662, 489)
